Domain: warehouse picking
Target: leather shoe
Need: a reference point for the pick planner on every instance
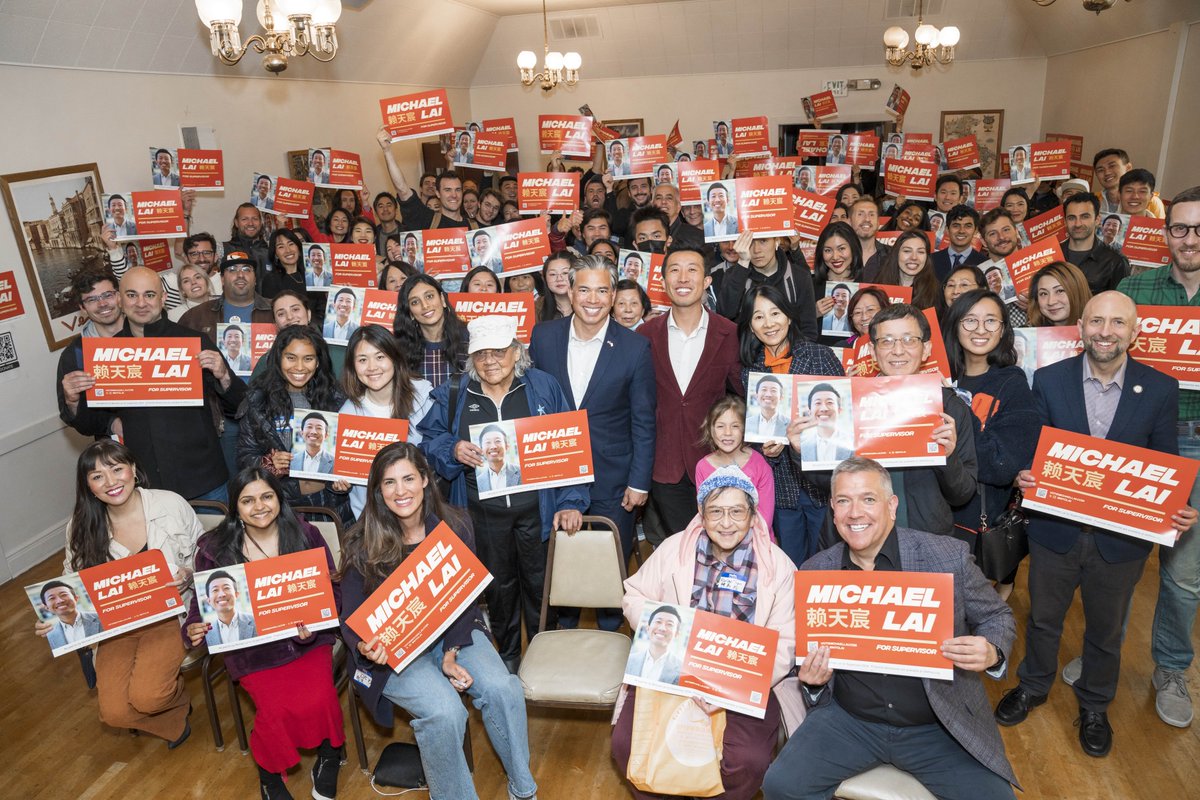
(1095, 734)
(1015, 706)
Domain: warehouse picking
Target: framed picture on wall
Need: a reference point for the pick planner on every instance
(627, 128)
(988, 128)
(57, 220)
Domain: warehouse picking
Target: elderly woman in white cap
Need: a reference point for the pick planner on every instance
(724, 563)
(511, 531)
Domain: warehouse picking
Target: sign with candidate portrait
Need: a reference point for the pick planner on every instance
(837, 321)
(201, 170)
(143, 372)
(281, 196)
(530, 453)
(645, 269)
(328, 446)
(519, 305)
(1145, 242)
(1047, 225)
(441, 252)
(475, 147)
(145, 215)
(343, 313)
(762, 206)
(1051, 161)
(334, 169)
(635, 157)
(1041, 347)
(244, 345)
(379, 308)
(985, 194)
(417, 116)
(898, 99)
(961, 153)
(914, 180)
(691, 174)
(505, 128)
(541, 192)
(511, 248)
(1023, 264)
(820, 106)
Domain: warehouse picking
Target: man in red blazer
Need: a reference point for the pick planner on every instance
(696, 363)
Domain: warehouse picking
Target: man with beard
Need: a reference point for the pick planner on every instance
(1001, 239)
(246, 236)
(1103, 266)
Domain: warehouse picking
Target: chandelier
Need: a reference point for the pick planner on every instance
(932, 45)
(556, 67)
(1088, 5)
(291, 28)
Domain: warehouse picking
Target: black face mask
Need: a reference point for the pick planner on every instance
(652, 246)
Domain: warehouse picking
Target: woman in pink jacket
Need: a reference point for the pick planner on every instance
(727, 541)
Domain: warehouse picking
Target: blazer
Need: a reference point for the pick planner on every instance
(620, 401)
(941, 262)
(709, 225)
(679, 415)
(670, 671)
(1142, 419)
(961, 705)
(246, 630)
(324, 463)
(777, 427)
(91, 626)
(512, 477)
(808, 450)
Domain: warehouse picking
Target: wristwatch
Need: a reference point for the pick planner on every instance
(999, 660)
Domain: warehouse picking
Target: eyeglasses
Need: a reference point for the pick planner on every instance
(735, 513)
(103, 297)
(908, 341)
(1177, 230)
(990, 324)
(239, 268)
(201, 254)
(490, 355)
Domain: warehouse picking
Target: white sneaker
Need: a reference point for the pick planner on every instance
(1172, 702)
(1072, 671)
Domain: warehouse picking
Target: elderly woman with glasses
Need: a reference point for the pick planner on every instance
(723, 563)
(512, 523)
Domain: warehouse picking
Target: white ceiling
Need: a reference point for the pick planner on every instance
(462, 43)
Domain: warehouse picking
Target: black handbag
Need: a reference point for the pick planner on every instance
(399, 766)
(1000, 547)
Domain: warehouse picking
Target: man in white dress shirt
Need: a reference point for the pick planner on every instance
(656, 662)
(72, 624)
(719, 219)
(339, 326)
(768, 393)
(232, 625)
(315, 273)
(117, 216)
(314, 429)
(496, 473)
(821, 442)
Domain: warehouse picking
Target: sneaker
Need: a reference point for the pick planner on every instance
(512, 796)
(325, 776)
(1072, 671)
(1173, 703)
(272, 787)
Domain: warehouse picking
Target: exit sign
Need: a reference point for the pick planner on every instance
(837, 87)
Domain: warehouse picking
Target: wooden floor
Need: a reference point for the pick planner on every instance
(54, 746)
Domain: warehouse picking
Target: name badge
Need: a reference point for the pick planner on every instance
(362, 678)
(731, 581)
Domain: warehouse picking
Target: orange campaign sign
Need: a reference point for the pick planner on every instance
(519, 305)
(918, 151)
(266, 599)
(830, 178)
(961, 153)
(112, 598)
(917, 140)
(646, 270)
(10, 297)
(566, 133)
(427, 592)
(751, 137)
(812, 144)
(531, 453)
(353, 265)
(988, 192)
(440, 252)
(762, 206)
(635, 157)
(1049, 225)
(1085, 171)
(1076, 143)
(516, 247)
(343, 169)
(862, 150)
(293, 198)
(898, 100)
(145, 215)
(1024, 264)
(691, 175)
(862, 355)
(244, 345)
(811, 213)
(202, 170)
(726, 661)
(1169, 341)
(503, 127)
(1050, 161)
(379, 308)
(143, 371)
(359, 439)
(539, 192)
(155, 254)
(824, 106)
(489, 151)
(417, 116)
(1145, 242)
(1118, 487)
(891, 623)
(1041, 347)
(913, 180)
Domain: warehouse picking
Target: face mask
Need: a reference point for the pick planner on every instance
(652, 246)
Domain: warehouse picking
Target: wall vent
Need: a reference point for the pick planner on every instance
(585, 26)
(907, 9)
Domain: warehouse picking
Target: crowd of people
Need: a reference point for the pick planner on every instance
(729, 520)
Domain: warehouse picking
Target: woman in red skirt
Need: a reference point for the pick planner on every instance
(291, 680)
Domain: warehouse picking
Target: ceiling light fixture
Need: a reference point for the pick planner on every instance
(291, 28)
(933, 46)
(1088, 5)
(556, 67)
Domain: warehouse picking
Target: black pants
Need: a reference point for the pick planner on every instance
(675, 504)
(1105, 589)
(510, 545)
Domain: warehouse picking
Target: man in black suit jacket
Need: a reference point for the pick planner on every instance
(1107, 394)
(962, 223)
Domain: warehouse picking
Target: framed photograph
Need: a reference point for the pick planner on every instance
(57, 220)
(625, 128)
(988, 128)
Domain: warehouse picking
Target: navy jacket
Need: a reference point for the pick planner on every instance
(941, 262)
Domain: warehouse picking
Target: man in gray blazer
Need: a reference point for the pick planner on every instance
(941, 732)
(314, 428)
(655, 661)
(770, 421)
(72, 624)
(495, 473)
(820, 443)
(232, 626)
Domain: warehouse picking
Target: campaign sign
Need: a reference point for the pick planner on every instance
(837, 321)
(1076, 143)
(481, 150)
(539, 192)
(202, 170)
(425, 594)
(359, 439)
(416, 116)
(512, 248)
(751, 137)
(1145, 242)
(635, 157)
(914, 180)
(1115, 486)
(1048, 225)
(155, 254)
(1051, 160)
(353, 264)
(891, 623)
(824, 106)
(898, 100)
(986, 193)
(862, 357)
(646, 269)
(318, 267)
(343, 313)
(811, 212)
(685, 651)
(145, 215)
(830, 178)
(441, 252)
(10, 296)
(1023, 264)
(108, 599)
(143, 372)
(762, 206)
(503, 127)
(519, 305)
(1041, 347)
(1169, 341)
(244, 345)
(691, 175)
(266, 600)
(569, 134)
(530, 453)
(862, 150)
(961, 153)
(379, 308)
(812, 144)
(334, 169)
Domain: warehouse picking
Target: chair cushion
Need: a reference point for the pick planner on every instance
(575, 666)
(884, 782)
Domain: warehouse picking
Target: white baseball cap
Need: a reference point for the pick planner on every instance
(492, 332)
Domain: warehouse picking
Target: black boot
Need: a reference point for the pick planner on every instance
(325, 771)
(271, 786)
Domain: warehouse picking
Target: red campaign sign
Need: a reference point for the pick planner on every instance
(897, 101)
(691, 175)
(143, 372)
(244, 345)
(379, 308)
(292, 198)
(636, 157)
(862, 150)
(1169, 341)
(1024, 263)
(1084, 171)
(570, 134)
(441, 253)
(359, 439)
(489, 151)
(520, 305)
(892, 623)
(353, 265)
(961, 153)
(751, 137)
(772, 165)
(831, 178)
(1076, 143)
(918, 140)
(646, 270)
(539, 192)
(813, 144)
(345, 170)
(1118, 487)
(1050, 161)
(156, 254)
(539, 452)
(1050, 225)
(503, 127)
(1145, 242)
(812, 213)
(988, 192)
(417, 116)
(10, 296)
(519, 246)
(202, 170)
(145, 215)
(762, 206)
(862, 354)
(1041, 347)
(421, 598)
(824, 105)
(913, 180)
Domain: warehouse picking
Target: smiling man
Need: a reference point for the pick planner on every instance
(232, 625)
(314, 430)
(71, 624)
(340, 326)
(769, 421)
(1103, 266)
(823, 442)
(656, 662)
(239, 301)
(496, 472)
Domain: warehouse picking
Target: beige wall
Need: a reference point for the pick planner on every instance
(1183, 155)
(1012, 85)
(59, 117)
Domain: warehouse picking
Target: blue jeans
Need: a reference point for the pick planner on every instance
(798, 530)
(220, 494)
(439, 718)
(1179, 580)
